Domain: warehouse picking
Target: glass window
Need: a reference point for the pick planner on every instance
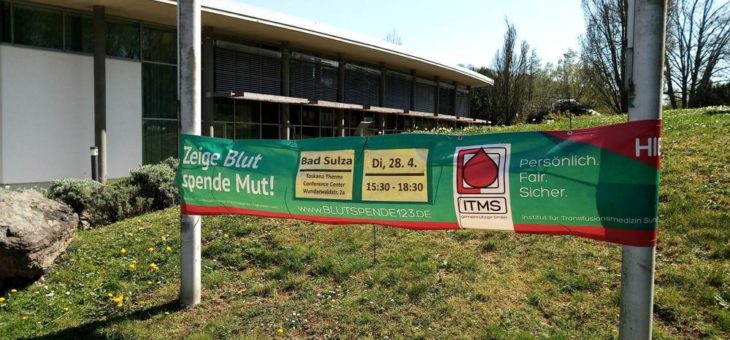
(270, 131)
(310, 116)
(247, 131)
(247, 112)
(5, 21)
(38, 26)
(79, 33)
(223, 110)
(327, 117)
(270, 113)
(295, 115)
(160, 140)
(309, 132)
(328, 132)
(159, 45)
(122, 39)
(159, 91)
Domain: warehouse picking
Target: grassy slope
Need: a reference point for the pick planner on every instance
(266, 278)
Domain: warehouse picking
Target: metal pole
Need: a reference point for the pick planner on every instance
(94, 152)
(646, 33)
(100, 90)
(188, 21)
(285, 91)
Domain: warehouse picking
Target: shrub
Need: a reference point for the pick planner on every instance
(172, 163)
(74, 192)
(156, 182)
(149, 188)
(116, 201)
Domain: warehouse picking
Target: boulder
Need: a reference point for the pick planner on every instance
(34, 231)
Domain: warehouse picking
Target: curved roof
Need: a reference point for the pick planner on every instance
(246, 20)
(257, 24)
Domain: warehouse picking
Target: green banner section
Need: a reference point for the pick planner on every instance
(599, 183)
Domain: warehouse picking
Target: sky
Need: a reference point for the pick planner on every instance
(465, 32)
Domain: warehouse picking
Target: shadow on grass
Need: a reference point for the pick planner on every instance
(90, 330)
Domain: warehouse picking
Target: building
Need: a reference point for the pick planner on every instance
(72, 71)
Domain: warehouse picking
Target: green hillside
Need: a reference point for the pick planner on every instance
(266, 278)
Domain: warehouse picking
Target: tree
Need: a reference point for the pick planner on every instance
(394, 38)
(698, 35)
(604, 51)
(512, 79)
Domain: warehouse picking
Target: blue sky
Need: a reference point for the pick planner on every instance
(456, 31)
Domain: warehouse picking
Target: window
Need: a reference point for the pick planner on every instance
(5, 21)
(38, 26)
(254, 70)
(159, 112)
(122, 39)
(362, 85)
(425, 96)
(159, 45)
(159, 95)
(79, 33)
(159, 140)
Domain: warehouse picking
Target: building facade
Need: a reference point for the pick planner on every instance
(264, 76)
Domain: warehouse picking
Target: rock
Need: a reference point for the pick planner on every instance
(34, 231)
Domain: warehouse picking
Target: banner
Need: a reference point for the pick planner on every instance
(599, 183)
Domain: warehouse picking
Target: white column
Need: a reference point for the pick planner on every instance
(189, 46)
(646, 33)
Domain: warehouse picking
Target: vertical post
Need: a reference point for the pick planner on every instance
(100, 140)
(454, 96)
(285, 79)
(413, 91)
(94, 153)
(468, 101)
(188, 22)
(208, 74)
(646, 27)
(436, 98)
(381, 99)
(341, 96)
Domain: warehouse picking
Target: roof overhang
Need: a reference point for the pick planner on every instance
(253, 23)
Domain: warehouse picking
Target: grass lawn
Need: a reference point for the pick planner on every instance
(283, 278)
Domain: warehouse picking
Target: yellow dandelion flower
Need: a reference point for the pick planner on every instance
(163, 238)
(168, 249)
(280, 330)
(119, 300)
(25, 318)
(110, 295)
(65, 309)
(132, 266)
(151, 249)
(122, 251)
(13, 290)
(154, 267)
(2, 299)
(225, 235)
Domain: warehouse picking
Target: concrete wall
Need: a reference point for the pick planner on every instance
(48, 115)
(123, 116)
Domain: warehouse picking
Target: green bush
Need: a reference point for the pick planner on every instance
(156, 182)
(149, 188)
(117, 201)
(74, 192)
(172, 163)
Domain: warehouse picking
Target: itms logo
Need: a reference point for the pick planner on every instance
(481, 181)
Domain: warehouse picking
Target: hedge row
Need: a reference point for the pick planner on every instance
(148, 188)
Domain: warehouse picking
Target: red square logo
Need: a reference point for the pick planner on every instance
(481, 170)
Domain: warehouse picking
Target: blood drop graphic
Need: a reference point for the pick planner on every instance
(480, 171)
